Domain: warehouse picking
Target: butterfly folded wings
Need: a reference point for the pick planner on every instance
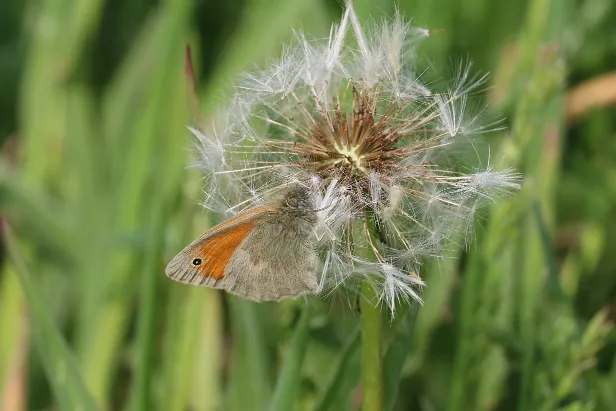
(265, 253)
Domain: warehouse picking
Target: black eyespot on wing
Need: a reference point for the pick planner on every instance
(197, 261)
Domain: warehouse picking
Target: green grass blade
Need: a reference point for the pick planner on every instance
(290, 376)
(186, 310)
(249, 382)
(140, 167)
(60, 365)
(206, 387)
(344, 377)
(141, 395)
(396, 355)
(553, 282)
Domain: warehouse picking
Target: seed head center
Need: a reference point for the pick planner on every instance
(351, 156)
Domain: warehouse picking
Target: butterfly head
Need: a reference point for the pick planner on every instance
(298, 201)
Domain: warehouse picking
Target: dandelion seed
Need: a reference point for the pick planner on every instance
(349, 118)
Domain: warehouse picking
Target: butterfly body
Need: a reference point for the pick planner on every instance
(265, 253)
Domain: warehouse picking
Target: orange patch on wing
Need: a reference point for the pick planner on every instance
(216, 251)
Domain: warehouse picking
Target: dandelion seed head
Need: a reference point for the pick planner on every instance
(350, 118)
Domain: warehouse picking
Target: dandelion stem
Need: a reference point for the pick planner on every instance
(372, 368)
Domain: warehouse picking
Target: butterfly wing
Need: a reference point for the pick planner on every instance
(204, 261)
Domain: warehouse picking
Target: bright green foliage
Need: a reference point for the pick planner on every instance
(96, 196)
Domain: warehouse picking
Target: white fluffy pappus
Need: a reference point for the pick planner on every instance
(349, 118)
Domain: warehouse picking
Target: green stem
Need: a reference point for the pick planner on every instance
(371, 351)
(372, 369)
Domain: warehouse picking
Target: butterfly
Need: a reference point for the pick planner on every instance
(265, 253)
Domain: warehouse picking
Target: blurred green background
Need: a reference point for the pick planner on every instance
(96, 198)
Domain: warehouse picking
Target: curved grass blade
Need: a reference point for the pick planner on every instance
(345, 377)
(290, 376)
(396, 355)
(249, 381)
(57, 358)
(147, 316)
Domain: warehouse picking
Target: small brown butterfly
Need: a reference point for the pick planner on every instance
(265, 253)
